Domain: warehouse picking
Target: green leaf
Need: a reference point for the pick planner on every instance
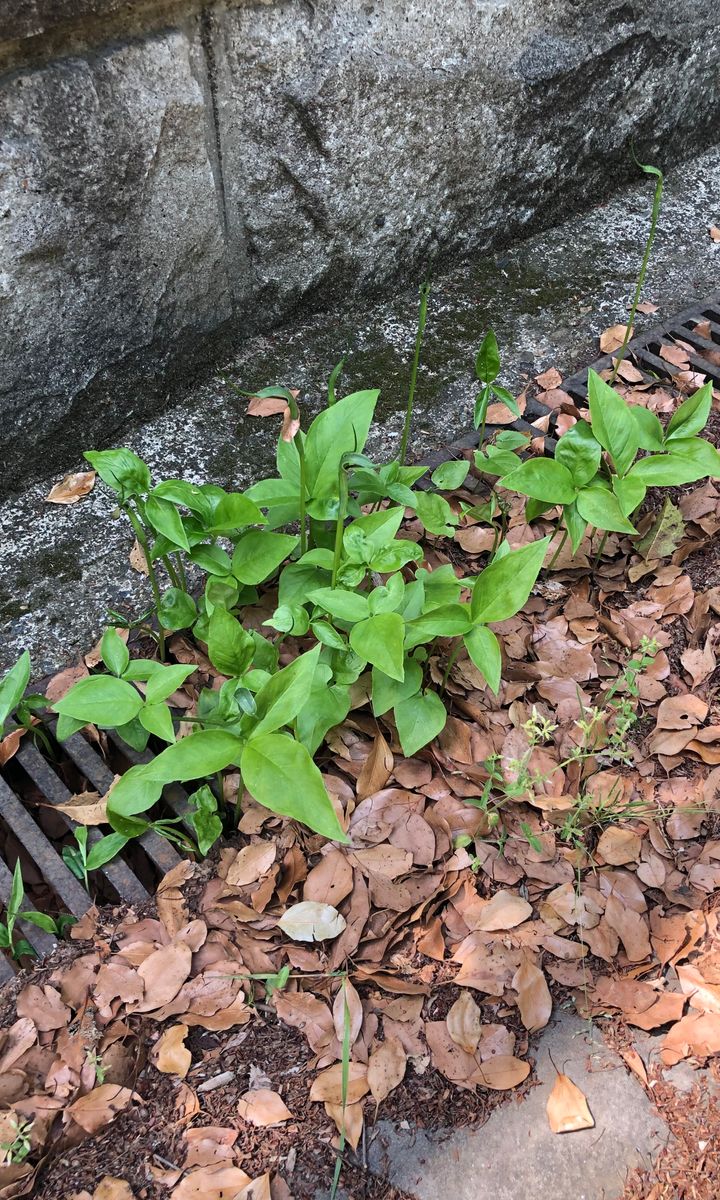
(612, 423)
(505, 397)
(504, 586)
(691, 416)
(575, 525)
(193, 757)
(447, 620)
(495, 462)
(484, 650)
(212, 559)
(450, 475)
(204, 818)
(440, 587)
(487, 359)
(101, 700)
(379, 640)
(280, 700)
(17, 893)
(67, 726)
(387, 692)
(419, 719)
(542, 479)
(343, 605)
(435, 513)
(601, 508)
(649, 429)
(280, 774)
(189, 494)
(630, 493)
(157, 719)
(258, 554)
(230, 647)
(42, 920)
(327, 635)
(165, 519)
(580, 453)
(121, 470)
(177, 609)
(339, 430)
(232, 512)
(114, 652)
(165, 680)
(326, 707)
(104, 850)
(12, 687)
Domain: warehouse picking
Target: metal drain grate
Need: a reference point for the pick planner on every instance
(644, 350)
(119, 880)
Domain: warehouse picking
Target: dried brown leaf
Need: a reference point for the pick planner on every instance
(567, 1109)
(263, 1107)
(71, 488)
(170, 1054)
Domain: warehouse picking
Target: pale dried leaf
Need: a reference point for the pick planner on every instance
(567, 1108)
(263, 1107)
(71, 488)
(386, 1068)
(170, 1054)
(464, 1022)
(310, 921)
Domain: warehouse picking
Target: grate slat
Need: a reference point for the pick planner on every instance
(117, 873)
(43, 853)
(157, 848)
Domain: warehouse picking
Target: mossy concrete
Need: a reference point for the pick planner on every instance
(548, 298)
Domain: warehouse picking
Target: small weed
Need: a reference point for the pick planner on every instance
(18, 1149)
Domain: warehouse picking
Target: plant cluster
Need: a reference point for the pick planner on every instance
(324, 537)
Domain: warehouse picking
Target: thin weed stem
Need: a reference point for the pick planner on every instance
(139, 532)
(422, 317)
(657, 199)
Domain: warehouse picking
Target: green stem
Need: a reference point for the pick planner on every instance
(643, 266)
(452, 659)
(340, 522)
(601, 547)
(171, 571)
(556, 555)
(181, 571)
(238, 801)
(486, 401)
(422, 317)
(303, 498)
(143, 543)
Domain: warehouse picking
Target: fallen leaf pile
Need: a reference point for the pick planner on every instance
(438, 937)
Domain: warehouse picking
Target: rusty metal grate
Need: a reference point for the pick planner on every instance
(644, 350)
(120, 880)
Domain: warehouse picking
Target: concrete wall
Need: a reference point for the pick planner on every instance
(174, 169)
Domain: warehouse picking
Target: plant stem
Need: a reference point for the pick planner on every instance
(143, 543)
(238, 800)
(303, 499)
(340, 522)
(452, 659)
(486, 401)
(601, 547)
(556, 555)
(643, 266)
(173, 575)
(424, 294)
(181, 570)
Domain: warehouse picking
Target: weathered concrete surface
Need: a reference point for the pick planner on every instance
(548, 299)
(514, 1155)
(113, 242)
(170, 170)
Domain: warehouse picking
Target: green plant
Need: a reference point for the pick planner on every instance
(602, 736)
(487, 369)
(657, 200)
(18, 1149)
(82, 859)
(13, 913)
(344, 1088)
(596, 477)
